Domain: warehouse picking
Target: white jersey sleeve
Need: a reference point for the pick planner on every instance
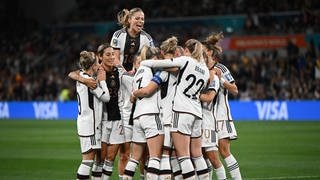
(146, 105)
(126, 88)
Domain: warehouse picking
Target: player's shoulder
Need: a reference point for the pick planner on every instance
(222, 67)
(119, 32)
(143, 33)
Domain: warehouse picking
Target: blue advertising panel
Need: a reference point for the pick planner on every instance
(240, 110)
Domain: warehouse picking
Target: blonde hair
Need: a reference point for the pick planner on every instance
(148, 52)
(87, 59)
(124, 15)
(195, 48)
(211, 42)
(170, 45)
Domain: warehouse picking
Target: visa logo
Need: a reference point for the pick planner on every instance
(274, 110)
(45, 110)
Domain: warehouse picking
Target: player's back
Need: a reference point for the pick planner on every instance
(146, 105)
(192, 78)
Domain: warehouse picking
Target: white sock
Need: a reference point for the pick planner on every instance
(176, 170)
(221, 173)
(153, 168)
(107, 170)
(130, 169)
(96, 171)
(187, 167)
(233, 167)
(210, 168)
(201, 167)
(165, 169)
(141, 176)
(84, 169)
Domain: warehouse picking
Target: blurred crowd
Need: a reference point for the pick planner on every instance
(36, 60)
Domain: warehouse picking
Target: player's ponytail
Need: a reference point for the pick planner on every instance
(123, 17)
(195, 48)
(212, 42)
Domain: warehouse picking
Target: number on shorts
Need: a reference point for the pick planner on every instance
(121, 129)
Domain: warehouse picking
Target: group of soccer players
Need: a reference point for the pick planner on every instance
(163, 108)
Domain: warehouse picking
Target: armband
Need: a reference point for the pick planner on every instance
(157, 80)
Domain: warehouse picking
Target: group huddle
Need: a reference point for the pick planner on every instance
(162, 108)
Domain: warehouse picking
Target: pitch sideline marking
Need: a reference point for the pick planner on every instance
(289, 177)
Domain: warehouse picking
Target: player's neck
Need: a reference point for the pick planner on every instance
(89, 72)
(132, 33)
(107, 68)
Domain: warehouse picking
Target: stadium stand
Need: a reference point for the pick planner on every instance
(36, 57)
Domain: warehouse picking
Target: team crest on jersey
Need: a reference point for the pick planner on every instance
(115, 42)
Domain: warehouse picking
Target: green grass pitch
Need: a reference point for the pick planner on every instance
(49, 149)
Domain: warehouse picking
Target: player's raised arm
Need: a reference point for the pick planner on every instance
(167, 63)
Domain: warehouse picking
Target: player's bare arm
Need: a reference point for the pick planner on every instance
(146, 91)
(75, 75)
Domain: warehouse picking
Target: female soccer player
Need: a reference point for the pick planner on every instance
(112, 124)
(169, 49)
(128, 41)
(186, 128)
(90, 112)
(222, 115)
(209, 131)
(147, 126)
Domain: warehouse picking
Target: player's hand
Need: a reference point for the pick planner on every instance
(218, 72)
(132, 98)
(101, 74)
(90, 82)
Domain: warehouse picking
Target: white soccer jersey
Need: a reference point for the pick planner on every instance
(126, 88)
(192, 78)
(90, 104)
(129, 46)
(146, 105)
(221, 107)
(167, 95)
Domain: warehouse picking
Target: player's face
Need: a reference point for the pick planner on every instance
(108, 56)
(137, 21)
